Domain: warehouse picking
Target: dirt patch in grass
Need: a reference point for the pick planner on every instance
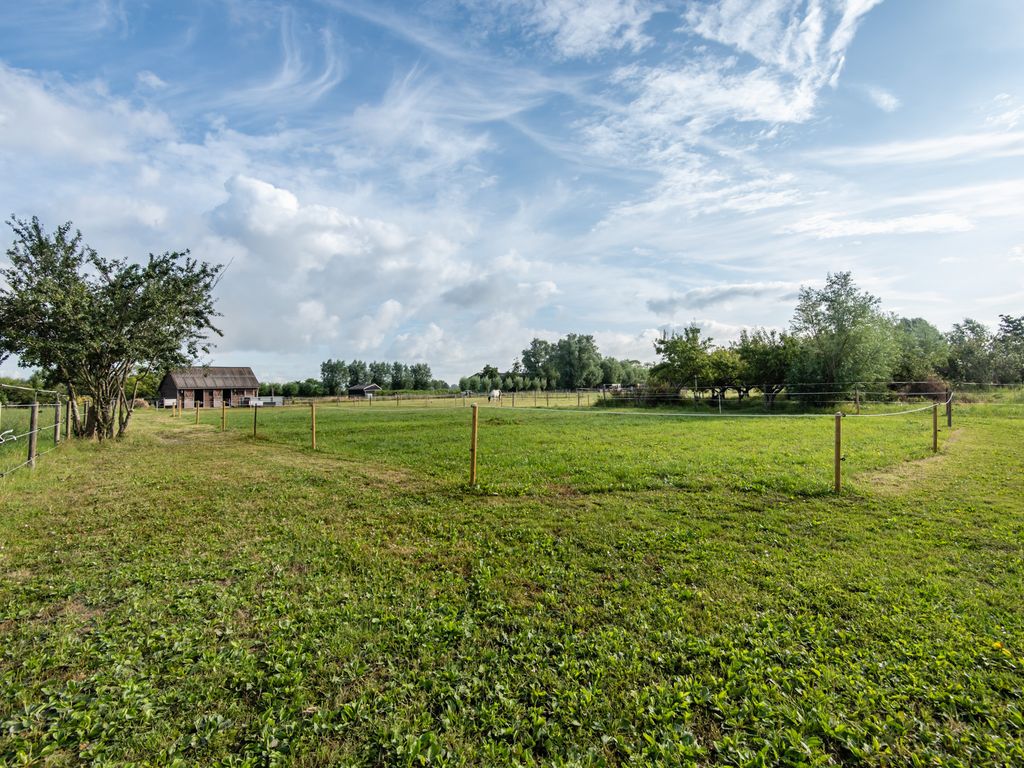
(897, 479)
(72, 608)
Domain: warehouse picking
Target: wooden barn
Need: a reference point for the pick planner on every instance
(208, 387)
(363, 390)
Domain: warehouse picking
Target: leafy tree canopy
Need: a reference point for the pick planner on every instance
(92, 324)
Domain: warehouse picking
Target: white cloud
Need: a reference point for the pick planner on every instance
(585, 28)
(1017, 253)
(792, 36)
(970, 146)
(150, 80)
(80, 123)
(1006, 112)
(721, 293)
(313, 323)
(827, 226)
(883, 99)
(293, 84)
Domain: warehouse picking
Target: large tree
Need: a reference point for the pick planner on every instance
(685, 359)
(95, 324)
(1009, 348)
(970, 352)
(334, 376)
(579, 362)
(421, 376)
(539, 363)
(844, 337)
(922, 350)
(767, 356)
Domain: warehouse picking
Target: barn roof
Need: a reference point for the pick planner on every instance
(210, 377)
(363, 387)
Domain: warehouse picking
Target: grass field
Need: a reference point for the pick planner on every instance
(619, 590)
(15, 423)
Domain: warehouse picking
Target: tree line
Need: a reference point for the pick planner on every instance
(572, 362)
(840, 339)
(336, 376)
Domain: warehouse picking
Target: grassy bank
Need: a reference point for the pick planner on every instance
(629, 590)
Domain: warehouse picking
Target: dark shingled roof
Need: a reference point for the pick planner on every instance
(214, 378)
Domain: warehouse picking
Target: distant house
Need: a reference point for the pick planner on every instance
(363, 390)
(208, 387)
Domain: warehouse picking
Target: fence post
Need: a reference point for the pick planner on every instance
(255, 410)
(949, 408)
(838, 482)
(67, 421)
(577, 398)
(223, 416)
(513, 398)
(197, 413)
(472, 446)
(312, 415)
(33, 425)
(56, 422)
(547, 398)
(856, 399)
(935, 428)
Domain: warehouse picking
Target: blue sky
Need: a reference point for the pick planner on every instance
(443, 181)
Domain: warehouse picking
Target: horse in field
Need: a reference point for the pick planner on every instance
(494, 394)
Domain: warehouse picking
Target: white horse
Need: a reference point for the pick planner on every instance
(494, 394)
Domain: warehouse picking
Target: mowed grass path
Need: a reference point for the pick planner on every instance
(619, 591)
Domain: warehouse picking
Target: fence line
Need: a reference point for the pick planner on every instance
(35, 429)
(312, 422)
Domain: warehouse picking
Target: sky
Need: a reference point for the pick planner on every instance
(443, 181)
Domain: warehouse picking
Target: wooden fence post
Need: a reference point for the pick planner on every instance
(949, 408)
(56, 422)
(312, 416)
(223, 416)
(472, 446)
(513, 398)
(197, 412)
(547, 398)
(838, 482)
(67, 421)
(255, 410)
(577, 398)
(935, 428)
(33, 425)
(856, 399)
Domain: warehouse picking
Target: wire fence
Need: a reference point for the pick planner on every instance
(522, 448)
(28, 430)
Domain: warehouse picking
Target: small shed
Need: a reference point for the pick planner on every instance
(363, 390)
(209, 386)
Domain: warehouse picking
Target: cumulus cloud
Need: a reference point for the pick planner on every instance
(83, 124)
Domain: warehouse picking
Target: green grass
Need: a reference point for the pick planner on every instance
(620, 590)
(14, 452)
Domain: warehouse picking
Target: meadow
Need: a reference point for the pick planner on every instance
(643, 588)
(15, 424)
